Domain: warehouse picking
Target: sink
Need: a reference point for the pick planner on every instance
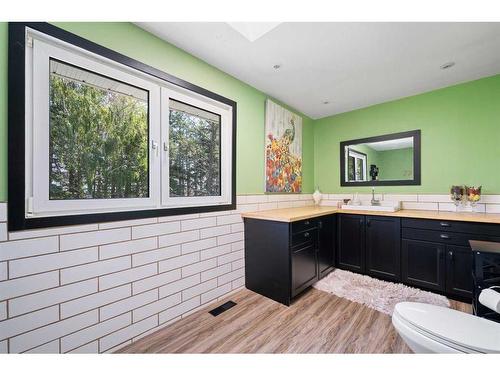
(385, 206)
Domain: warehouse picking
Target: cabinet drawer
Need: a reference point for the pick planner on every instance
(435, 236)
(452, 238)
(452, 226)
(300, 226)
(305, 237)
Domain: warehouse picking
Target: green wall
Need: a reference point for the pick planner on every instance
(396, 164)
(460, 124)
(134, 42)
(460, 137)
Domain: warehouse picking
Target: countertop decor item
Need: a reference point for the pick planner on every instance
(473, 194)
(317, 196)
(457, 194)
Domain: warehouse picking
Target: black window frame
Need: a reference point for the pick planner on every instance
(17, 219)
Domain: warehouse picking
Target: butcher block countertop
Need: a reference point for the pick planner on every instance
(289, 215)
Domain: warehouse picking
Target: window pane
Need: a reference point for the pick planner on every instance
(194, 140)
(359, 170)
(98, 136)
(350, 168)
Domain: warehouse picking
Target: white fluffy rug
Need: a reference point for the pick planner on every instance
(376, 294)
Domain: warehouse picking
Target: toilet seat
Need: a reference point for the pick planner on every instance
(446, 330)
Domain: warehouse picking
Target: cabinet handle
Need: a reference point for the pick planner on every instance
(444, 236)
(368, 221)
(444, 224)
(306, 222)
(306, 234)
(450, 253)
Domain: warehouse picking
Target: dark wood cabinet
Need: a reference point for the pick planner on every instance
(370, 244)
(326, 245)
(447, 268)
(459, 271)
(267, 259)
(351, 239)
(423, 264)
(304, 266)
(383, 247)
(283, 259)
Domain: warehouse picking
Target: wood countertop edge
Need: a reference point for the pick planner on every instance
(289, 215)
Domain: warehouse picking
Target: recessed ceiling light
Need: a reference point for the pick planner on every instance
(447, 65)
(276, 67)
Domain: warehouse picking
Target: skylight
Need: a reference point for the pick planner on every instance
(253, 30)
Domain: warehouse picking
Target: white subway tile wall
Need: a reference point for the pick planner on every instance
(434, 202)
(98, 287)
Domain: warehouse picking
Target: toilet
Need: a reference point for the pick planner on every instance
(434, 329)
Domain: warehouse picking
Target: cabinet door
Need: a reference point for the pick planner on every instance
(326, 245)
(304, 268)
(351, 249)
(423, 264)
(459, 271)
(383, 249)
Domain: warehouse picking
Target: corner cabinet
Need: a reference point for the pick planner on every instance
(370, 245)
(351, 238)
(284, 259)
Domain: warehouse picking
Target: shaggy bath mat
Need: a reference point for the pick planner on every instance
(376, 294)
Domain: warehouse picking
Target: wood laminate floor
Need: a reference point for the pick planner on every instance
(317, 322)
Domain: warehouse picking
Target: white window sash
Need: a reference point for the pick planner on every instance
(225, 148)
(39, 132)
(357, 156)
(37, 140)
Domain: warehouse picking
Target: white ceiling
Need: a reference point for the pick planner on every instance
(348, 65)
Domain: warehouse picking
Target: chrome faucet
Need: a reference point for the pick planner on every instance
(375, 202)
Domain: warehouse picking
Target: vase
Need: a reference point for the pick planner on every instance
(317, 196)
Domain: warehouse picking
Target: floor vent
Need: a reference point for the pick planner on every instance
(224, 307)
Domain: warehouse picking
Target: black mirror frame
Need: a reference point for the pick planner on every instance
(415, 134)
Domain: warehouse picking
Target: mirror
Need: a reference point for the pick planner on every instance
(391, 159)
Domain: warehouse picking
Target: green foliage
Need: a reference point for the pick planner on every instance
(194, 155)
(98, 143)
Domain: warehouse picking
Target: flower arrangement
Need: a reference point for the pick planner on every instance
(473, 194)
(460, 195)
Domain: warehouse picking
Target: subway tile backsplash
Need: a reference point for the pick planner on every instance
(434, 202)
(98, 287)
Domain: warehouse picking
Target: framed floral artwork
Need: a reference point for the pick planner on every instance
(283, 157)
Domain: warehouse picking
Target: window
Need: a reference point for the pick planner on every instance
(194, 158)
(356, 166)
(98, 136)
(197, 137)
(107, 141)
